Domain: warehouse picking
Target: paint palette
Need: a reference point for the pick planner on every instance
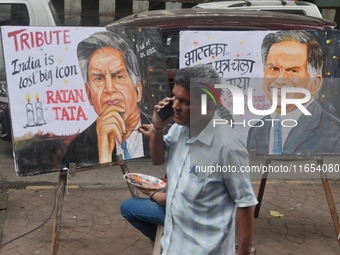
(144, 181)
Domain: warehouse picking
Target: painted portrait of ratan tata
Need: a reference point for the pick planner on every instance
(294, 59)
(112, 81)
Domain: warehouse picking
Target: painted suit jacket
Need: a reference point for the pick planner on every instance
(83, 150)
(318, 133)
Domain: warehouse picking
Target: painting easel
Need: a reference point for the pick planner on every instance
(61, 192)
(324, 179)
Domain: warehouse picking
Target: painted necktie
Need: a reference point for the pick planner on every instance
(277, 146)
(126, 152)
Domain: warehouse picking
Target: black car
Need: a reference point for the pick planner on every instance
(171, 22)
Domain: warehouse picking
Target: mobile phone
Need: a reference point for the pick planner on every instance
(166, 111)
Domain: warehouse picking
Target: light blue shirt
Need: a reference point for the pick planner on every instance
(200, 207)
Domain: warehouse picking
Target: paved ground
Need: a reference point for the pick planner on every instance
(92, 224)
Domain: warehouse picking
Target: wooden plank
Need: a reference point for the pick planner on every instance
(125, 170)
(58, 211)
(330, 201)
(325, 183)
(261, 189)
(157, 250)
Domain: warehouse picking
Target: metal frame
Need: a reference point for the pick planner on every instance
(323, 176)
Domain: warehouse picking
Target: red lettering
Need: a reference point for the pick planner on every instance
(81, 114)
(79, 95)
(14, 34)
(63, 92)
(66, 35)
(39, 39)
(71, 97)
(65, 96)
(69, 110)
(72, 108)
(34, 39)
(58, 98)
(23, 40)
(57, 33)
(46, 38)
(56, 110)
(50, 100)
(64, 114)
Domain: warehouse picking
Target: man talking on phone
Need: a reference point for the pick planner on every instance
(201, 206)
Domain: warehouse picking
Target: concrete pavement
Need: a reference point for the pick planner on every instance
(92, 224)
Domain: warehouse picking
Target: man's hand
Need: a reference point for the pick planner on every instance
(157, 146)
(159, 197)
(145, 129)
(147, 192)
(110, 127)
(156, 119)
(245, 217)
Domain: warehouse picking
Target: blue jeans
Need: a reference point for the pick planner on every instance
(144, 215)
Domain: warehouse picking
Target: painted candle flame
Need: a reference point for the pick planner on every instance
(28, 97)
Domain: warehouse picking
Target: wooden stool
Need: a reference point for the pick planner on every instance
(157, 249)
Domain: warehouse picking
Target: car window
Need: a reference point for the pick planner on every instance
(170, 41)
(299, 12)
(54, 13)
(14, 14)
(2, 64)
